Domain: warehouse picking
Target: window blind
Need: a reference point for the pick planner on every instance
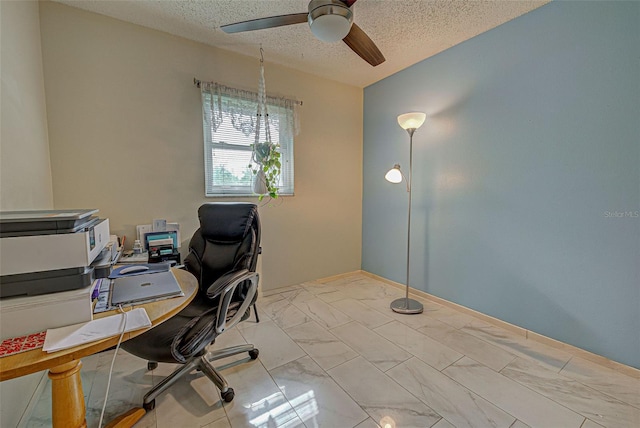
(229, 126)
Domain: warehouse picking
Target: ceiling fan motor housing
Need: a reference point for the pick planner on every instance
(330, 20)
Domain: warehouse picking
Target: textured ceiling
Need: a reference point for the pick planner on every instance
(406, 31)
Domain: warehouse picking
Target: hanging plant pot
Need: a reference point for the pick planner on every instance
(266, 169)
(260, 183)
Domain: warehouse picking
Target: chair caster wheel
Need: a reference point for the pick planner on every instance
(152, 365)
(149, 406)
(228, 395)
(254, 353)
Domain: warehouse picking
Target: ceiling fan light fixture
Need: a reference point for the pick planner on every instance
(330, 21)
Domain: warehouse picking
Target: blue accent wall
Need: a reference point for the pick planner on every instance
(526, 181)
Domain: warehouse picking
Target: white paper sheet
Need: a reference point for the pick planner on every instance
(78, 334)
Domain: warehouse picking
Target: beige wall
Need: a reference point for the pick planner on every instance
(125, 129)
(25, 175)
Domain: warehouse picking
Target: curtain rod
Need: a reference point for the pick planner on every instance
(197, 83)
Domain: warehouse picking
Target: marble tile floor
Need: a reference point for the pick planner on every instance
(332, 354)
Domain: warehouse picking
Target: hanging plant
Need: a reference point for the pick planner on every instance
(266, 168)
(265, 159)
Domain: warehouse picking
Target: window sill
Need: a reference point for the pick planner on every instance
(245, 195)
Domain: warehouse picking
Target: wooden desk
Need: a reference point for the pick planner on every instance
(64, 366)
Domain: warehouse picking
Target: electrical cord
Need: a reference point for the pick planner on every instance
(113, 360)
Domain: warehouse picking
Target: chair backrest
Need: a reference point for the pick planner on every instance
(228, 239)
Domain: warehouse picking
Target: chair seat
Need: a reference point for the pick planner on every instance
(155, 344)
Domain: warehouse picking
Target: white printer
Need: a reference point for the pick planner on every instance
(49, 251)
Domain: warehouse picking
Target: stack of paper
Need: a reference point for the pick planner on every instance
(79, 334)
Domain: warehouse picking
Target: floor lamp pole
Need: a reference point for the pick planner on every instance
(406, 305)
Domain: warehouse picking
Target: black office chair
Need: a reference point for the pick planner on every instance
(223, 254)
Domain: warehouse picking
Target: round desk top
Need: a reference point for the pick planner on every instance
(37, 360)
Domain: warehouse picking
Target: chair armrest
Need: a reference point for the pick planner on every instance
(227, 280)
(224, 287)
(198, 331)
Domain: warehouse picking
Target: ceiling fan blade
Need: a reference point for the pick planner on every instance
(348, 3)
(361, 44)
(262, 23)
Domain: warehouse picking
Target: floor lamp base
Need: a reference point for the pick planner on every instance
(406, 306)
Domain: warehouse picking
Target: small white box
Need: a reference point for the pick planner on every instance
(24, 315)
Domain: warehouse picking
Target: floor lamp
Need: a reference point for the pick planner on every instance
(410, 122)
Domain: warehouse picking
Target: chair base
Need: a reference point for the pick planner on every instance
(202, 363)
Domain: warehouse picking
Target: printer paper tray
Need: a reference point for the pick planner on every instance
(34, 283)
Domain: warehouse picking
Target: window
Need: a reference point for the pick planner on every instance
(230, 124)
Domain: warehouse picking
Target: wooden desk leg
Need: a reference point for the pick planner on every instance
(67, 398)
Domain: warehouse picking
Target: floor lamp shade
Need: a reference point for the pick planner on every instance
(394, 175)
(413, 120)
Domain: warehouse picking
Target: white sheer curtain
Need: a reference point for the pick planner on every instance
(241, 107)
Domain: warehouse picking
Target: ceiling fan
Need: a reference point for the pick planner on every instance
(330, 21)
